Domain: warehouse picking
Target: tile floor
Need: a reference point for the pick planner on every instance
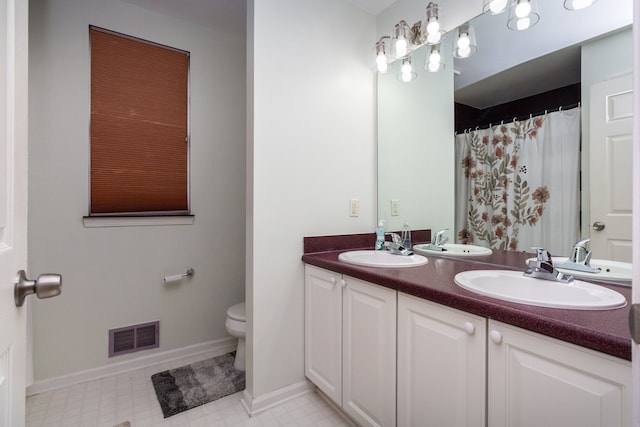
(130, 397)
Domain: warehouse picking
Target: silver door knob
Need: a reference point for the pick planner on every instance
(46, 286)
(598, 226)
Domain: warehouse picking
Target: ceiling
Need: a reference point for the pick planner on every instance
(208, 13)
(216, 12)
(374, 7)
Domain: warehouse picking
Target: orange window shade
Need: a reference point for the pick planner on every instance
(139, 115)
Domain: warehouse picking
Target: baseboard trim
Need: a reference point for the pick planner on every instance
(214, 348)
(261, 403)
(336, 408)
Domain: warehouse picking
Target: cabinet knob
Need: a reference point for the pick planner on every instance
(333, 280)
(469, 328)
(496, 336)
(343, 283)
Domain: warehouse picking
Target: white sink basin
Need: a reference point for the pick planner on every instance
(609, 270)
(513, 286)
(454, 249)
(381, 259)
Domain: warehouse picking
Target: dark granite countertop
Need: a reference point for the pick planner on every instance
(606, 331)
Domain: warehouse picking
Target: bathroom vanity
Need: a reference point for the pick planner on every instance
(408, 347)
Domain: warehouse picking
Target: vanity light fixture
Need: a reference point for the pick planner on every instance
(464, 41)
(382, 59)
(523, 14)
(406, 73)
(494, 7)
(578, 4)
(434, 63)
(400, 41)
(432, 33)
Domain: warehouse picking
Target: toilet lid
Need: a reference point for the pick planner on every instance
(236, 312)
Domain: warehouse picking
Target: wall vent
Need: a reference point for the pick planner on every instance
(133, 338)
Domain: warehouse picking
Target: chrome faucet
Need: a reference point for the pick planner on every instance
(542, 268)
(439, 239)
(395, 246)
(580, 258)
(580, 254)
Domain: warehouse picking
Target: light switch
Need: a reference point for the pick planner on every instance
(395, 207)
(354, 207)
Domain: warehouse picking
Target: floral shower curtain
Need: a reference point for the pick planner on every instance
(518, 184)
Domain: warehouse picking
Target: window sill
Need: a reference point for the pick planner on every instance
(136, 221)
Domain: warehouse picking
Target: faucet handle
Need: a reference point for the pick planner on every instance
(582, 243)
(439, 238)
(542, 255)
(580, 254)
(396, 238)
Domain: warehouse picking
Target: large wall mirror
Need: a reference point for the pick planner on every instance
(416, 124)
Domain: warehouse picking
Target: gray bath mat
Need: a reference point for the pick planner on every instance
(196, 384)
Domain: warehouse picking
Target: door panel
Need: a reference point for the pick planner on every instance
(611, 149)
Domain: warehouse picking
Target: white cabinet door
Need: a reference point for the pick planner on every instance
(369, 353)
(540, 381)
(441, 365)
(323, 331)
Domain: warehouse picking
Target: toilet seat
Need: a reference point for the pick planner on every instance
(237, 312)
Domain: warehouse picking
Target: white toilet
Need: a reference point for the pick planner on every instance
(237, 327)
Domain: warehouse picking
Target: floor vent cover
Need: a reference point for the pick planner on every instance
(134, 338)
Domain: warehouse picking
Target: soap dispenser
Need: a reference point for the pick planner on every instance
(406, 235)
(380, 237)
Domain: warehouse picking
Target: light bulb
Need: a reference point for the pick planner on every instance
(433, 26)
(463, 41)
(381, 59)
(523, 9)
(401, 48)
(463, 52)
(523, 23)
(406, 68)
(406, 77)
(497, 6)
(382, 67)
(434, 38)
(578, 4)
(434, 58)
(433, 66)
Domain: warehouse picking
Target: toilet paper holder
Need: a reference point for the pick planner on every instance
(176, 277)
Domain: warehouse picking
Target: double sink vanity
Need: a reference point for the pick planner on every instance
(408, 346)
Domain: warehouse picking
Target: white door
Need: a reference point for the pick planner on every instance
(13, 206)
(635, 355)
(610, 151)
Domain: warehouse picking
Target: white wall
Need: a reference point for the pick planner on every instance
(113, 276)
(416, 146)
(313, 147)
(416, 127)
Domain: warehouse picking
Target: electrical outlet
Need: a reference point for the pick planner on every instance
(395, 207)
(354, 207)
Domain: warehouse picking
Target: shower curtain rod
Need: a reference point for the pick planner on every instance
(524, 116)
